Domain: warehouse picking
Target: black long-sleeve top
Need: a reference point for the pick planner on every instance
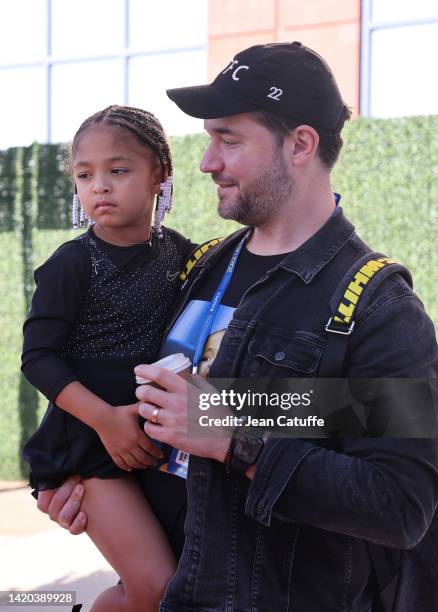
(98, 310)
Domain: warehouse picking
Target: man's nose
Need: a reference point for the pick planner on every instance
(211, 161)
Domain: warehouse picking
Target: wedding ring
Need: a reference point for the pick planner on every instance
(154, 416)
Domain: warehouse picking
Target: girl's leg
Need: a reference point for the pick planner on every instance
(125, 530)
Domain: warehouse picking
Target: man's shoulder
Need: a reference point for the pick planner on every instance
(394, 331)
(381, 277)
(393, 334)
(206, 253)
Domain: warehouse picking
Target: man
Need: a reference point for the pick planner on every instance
(278, 523)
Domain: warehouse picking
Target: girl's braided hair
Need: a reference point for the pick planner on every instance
(143, 124)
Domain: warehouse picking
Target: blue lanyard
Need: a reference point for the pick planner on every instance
(217, 298)
(215, 303)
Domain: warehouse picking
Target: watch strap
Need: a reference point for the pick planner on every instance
(240, 462)
(227, 462)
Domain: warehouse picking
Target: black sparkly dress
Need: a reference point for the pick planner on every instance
(97, 312)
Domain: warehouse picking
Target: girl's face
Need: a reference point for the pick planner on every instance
(116, 178)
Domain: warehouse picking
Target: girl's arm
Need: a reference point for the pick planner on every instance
(62, 284)
(81, 403)
(117, 426)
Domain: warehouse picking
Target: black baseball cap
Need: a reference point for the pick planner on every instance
(286, 79)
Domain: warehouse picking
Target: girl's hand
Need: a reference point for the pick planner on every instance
(127, 444)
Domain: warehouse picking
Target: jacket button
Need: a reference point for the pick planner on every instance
(279, 356)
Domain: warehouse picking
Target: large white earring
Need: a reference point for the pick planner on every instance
(78, 216)
(164, 204)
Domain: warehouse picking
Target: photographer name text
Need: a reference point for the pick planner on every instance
(280, 421)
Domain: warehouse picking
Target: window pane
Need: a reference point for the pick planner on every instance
(167, 24)
(87, 27)
(23, 39)
(386, 10)
(150, 77)
(23, 114)
(402, 81)
(79, 90)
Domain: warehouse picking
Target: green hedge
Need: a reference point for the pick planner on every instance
(388, 178)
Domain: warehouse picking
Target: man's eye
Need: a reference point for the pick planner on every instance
(119, 170)
(83, 175)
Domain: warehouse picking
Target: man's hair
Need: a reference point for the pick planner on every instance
(142, 124)
(330, 142)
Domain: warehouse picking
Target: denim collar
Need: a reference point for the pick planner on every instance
(309, 258)
(320, 248)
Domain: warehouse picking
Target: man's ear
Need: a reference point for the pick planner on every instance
(302, 144)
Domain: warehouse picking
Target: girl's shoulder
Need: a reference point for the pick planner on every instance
(183, 245)
(70, 257)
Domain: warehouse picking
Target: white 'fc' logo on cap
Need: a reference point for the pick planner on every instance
(231, 66)
(274, 92)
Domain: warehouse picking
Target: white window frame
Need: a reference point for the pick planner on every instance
(368, 26)
(125, 54)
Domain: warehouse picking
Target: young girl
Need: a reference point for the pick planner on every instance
(99, 309)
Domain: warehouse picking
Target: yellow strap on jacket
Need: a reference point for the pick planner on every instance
(196, 256)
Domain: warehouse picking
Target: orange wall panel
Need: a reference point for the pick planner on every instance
(339, 46)
(231, 16)
(299, 12)
(221, 51)
(331, 27)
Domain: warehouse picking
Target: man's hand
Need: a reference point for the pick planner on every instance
(63, 505)
(125, 441)
(178, 417)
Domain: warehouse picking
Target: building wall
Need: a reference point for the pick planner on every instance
(330, 27)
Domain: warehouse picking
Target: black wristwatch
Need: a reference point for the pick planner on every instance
(243, 452)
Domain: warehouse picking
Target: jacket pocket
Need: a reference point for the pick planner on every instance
(277, 353)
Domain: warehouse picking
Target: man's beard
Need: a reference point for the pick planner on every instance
(260, 200)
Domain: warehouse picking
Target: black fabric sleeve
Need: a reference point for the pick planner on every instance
(384, 490)
(61, 286)
(184, 245)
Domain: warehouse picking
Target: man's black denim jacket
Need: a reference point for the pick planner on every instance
(292, 538)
